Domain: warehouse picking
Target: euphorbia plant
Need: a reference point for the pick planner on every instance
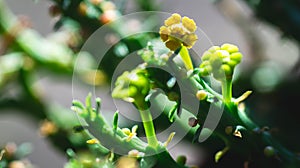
(107, 144)
(239, 133)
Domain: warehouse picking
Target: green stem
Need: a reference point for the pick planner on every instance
(149, 128)
(227, 90)
(146, 116)
(186, 58)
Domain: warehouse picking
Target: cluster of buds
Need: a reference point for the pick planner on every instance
(178, 32)
(131, 86)
(220, 61)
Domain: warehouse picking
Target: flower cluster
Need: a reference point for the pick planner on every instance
(178, 31)
(220, 61)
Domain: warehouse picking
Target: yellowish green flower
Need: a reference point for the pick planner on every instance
(178, 31)
(130, 133)
(132, 85)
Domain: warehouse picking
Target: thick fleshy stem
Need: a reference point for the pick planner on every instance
(227, 90)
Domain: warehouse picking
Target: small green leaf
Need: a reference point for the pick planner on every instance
(172, 112)
(171, 136)
(115, 122)
(98, 104)
(134, 128)
(78, 104)
(88, 104)
(220, 154)
(111, 156)
(71, 153)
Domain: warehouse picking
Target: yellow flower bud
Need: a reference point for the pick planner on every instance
(173, 44)
(222, 53)
(126, 131)
(190, 40)
(201, 94)
(206, 70)
(232, 63)
(174, 19)
(230, 48)
(237, 56)
(163, 31)
(189, 24)
(226, 69)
